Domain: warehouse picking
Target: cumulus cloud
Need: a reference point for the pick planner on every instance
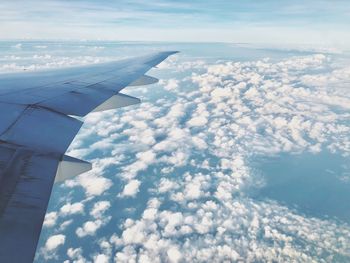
(89, 228)
(99, 208)
(54, 242)
(197, 144)
(174, 254)
(101, 258)
(131, 188)
(144, 159)
(166, 185)
(70, 209)
(50, 219)
(93, 184)
(171, 84)
(197, 121)
(238, 111)
(75, 254)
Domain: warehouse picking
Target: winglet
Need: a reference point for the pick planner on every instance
(70, 167)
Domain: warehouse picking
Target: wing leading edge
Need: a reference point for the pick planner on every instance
(36, 128)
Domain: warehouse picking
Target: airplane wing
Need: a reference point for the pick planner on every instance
(37, 125)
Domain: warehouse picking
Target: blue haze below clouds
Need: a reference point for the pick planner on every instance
(313, 185)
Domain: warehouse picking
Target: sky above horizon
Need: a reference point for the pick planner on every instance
(322, 23)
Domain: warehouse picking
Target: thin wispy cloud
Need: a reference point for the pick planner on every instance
(163, 20)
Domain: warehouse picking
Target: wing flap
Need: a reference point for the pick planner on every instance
(25, 187)
(42, 130)
(79, 102)
(9, 113)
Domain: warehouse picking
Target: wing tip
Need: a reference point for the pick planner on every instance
(169, 53)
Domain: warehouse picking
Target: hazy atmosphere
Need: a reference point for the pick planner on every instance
(322, 22)
(241, 151)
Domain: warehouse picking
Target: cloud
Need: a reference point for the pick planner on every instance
(76, 254)
(70, 209)
(213, 219)
(197, 121)
(227, 21)
(199, 207)
(131, 189)
(65, 224)
(194, 186)
(42, 62)
(174, 254)
(18, 46)
(144, 159)
(50, 219)
(92, 184)
(171, 84)
(126, 255)
(100, 208)
(101, 258)
(89, 228)
(166, 185)
(54, 242)
(212, 224)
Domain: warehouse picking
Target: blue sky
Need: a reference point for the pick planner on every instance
(254, 21)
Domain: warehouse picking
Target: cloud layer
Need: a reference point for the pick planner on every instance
(172, 177)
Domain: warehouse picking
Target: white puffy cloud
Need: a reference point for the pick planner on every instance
(99, 208)
(241, 109)
(70, 209)
(89, 228)
(93, 184)
(75, 254)
(220, 93)
(144, 159)
(174, 254)
(166, 185)
(50, 219)
(199, 143)
(197, 121)
(53, 242)
(131, 188)
(101, 258)
(171, 84)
